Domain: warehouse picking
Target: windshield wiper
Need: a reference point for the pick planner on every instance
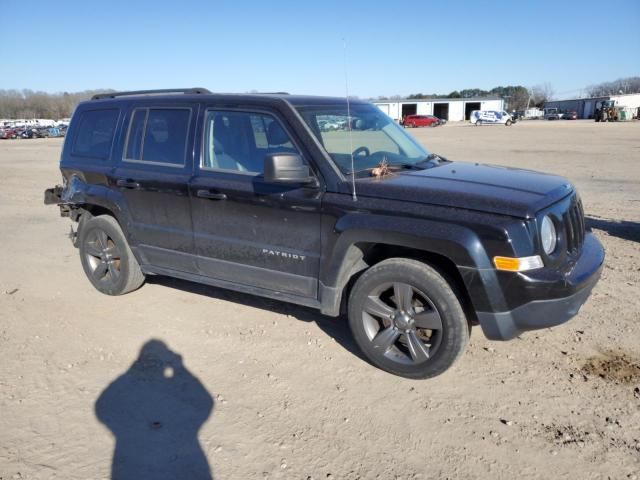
(432, 160)
(408, 166)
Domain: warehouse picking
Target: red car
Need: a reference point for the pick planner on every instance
(412, 121)
(7, 133)
(570, 116)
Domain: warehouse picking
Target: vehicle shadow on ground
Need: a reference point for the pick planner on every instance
(336, 328)
(155, 410)
(617, 228)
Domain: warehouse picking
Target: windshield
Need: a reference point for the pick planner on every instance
(374, 137)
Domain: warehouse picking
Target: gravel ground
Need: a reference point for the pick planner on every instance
(263, 389)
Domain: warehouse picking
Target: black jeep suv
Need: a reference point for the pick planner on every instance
(250, 193)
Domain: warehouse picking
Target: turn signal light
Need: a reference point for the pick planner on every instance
(511, 264)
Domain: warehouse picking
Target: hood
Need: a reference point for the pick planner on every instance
(487, 188)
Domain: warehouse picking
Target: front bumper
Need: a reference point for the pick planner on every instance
(563, 298)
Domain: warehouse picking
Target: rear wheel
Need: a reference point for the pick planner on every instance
(406, 319)
(106, 257)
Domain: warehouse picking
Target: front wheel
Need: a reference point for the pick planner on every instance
(508, 123)
(406, 319)
(106, 257)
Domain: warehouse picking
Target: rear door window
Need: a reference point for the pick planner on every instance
(96, 129)
(158, 135)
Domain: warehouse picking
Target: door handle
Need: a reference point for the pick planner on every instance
(211, 195)
(128, 183)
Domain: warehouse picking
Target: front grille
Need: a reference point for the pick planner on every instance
(574, 225)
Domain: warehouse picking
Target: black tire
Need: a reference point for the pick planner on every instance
(432, 316)
(508, 123)
(106, 257)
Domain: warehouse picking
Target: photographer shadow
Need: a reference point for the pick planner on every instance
(155, 410)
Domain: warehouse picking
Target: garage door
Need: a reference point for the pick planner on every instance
(384, 107)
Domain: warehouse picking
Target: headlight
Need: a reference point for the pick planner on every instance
(548, 235)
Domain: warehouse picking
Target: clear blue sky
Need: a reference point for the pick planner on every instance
(297, 46)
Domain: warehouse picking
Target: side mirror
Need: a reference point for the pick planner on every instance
(286, 168)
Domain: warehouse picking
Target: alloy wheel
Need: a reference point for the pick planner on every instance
(103, 256)
(402, 323)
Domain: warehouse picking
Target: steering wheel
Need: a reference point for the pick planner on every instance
(358, 150)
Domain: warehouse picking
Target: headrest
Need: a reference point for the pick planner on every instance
(276, 134)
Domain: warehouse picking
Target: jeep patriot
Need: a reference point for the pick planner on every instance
(253, 193)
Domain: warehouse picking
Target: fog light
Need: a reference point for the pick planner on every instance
(511, 264)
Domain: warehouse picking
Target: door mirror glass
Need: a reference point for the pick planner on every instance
(286, 168)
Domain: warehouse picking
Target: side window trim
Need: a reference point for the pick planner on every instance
(256, 111)
(144, 127)
(144, 131)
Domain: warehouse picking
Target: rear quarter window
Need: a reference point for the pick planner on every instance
(96, 129)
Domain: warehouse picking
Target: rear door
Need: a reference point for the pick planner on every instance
(247, 231)
(153, 178)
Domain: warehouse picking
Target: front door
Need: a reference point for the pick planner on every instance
(247, 231)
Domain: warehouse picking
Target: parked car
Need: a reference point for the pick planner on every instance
(413, 121)
(552, 114)
(440, 121)
(490, 117)
(412, 247)
(41, 132)
(34, 133)
(26, 133)
(570, 116)
(7, 133)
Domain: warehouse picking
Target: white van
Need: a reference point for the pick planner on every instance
(490, 117)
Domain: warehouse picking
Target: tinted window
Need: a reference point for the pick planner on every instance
(158, 135)
(240, 140)
(95, 133)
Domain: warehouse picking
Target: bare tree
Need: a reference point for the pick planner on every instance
(620, 86)
(541, 93)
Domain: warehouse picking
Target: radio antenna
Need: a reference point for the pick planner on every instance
(346, 87)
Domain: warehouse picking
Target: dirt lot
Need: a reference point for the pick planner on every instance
(287, 393)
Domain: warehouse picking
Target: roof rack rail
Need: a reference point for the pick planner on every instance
(100, 96)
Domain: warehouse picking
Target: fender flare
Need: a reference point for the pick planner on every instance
(455, 242)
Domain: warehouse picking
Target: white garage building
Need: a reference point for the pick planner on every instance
(451, 109)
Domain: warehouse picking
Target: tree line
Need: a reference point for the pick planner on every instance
(36, 104)
(29, 104)
(617, 87)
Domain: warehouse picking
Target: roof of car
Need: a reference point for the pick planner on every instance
(190, 94)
